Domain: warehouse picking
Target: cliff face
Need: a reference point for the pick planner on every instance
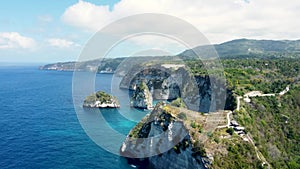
(173, 160)
(159, 82)
(169, 84)
(164, 140)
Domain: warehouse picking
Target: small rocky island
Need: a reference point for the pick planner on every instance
(101, 99)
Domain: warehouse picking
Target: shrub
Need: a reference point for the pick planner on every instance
(200, 130)
(230, 131)
(178, 103)
(193, 124)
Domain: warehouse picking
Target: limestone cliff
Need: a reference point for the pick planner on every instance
(166, 140)
(142, 97)
(160, 83)
(200, 93)
(101, 99)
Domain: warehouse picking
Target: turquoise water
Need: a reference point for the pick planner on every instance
(39, 127)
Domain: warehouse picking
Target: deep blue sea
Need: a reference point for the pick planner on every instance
(39, 127)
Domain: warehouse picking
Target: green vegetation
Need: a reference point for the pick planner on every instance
(246, 48)
(198, 127)
(110, 64)
(276, 136)
(230, 131)
(239, 155)
(198, 149)
(268, 76)
(272, 122)
(245, 75)
(242, 49)
(142, 86)
(178, 103)
(193, 124)
(134, 133)
(99, 96)
(230, 151)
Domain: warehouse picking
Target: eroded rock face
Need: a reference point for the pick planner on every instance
(165, 136)
(142, 98)
(200, 93)
(160, 83)
(167, 84)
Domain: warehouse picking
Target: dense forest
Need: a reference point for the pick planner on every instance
(274, 124)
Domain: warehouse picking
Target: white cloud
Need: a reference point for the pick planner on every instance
(219, 20)
(13, 40)
(86, 15)
(61, 43)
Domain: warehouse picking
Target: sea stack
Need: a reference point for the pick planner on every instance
(142, 97)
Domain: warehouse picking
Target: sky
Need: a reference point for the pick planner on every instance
(46, 31)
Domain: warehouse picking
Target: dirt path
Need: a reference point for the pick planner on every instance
(238, 102)
(258, 153)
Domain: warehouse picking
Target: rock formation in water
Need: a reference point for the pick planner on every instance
(101, 99)
(170, 135)
(159, 82)
(142, 98)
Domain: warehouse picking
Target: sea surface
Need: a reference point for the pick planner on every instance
(39, 127)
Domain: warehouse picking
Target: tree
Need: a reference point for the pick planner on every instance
(230, 131)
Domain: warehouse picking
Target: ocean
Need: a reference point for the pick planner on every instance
(39, 127)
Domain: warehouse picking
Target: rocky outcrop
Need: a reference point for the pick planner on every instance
(142, 98)
(164, 140)
(159, 82)
(200, 93)
(178, 103)
(101, 99)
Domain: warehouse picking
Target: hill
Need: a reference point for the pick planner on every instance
(241, 48)
(244, 48)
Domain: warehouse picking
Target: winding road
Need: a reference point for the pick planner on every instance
(238, 107)
(258, 94)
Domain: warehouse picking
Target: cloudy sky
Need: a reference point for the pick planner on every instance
(50, 31)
